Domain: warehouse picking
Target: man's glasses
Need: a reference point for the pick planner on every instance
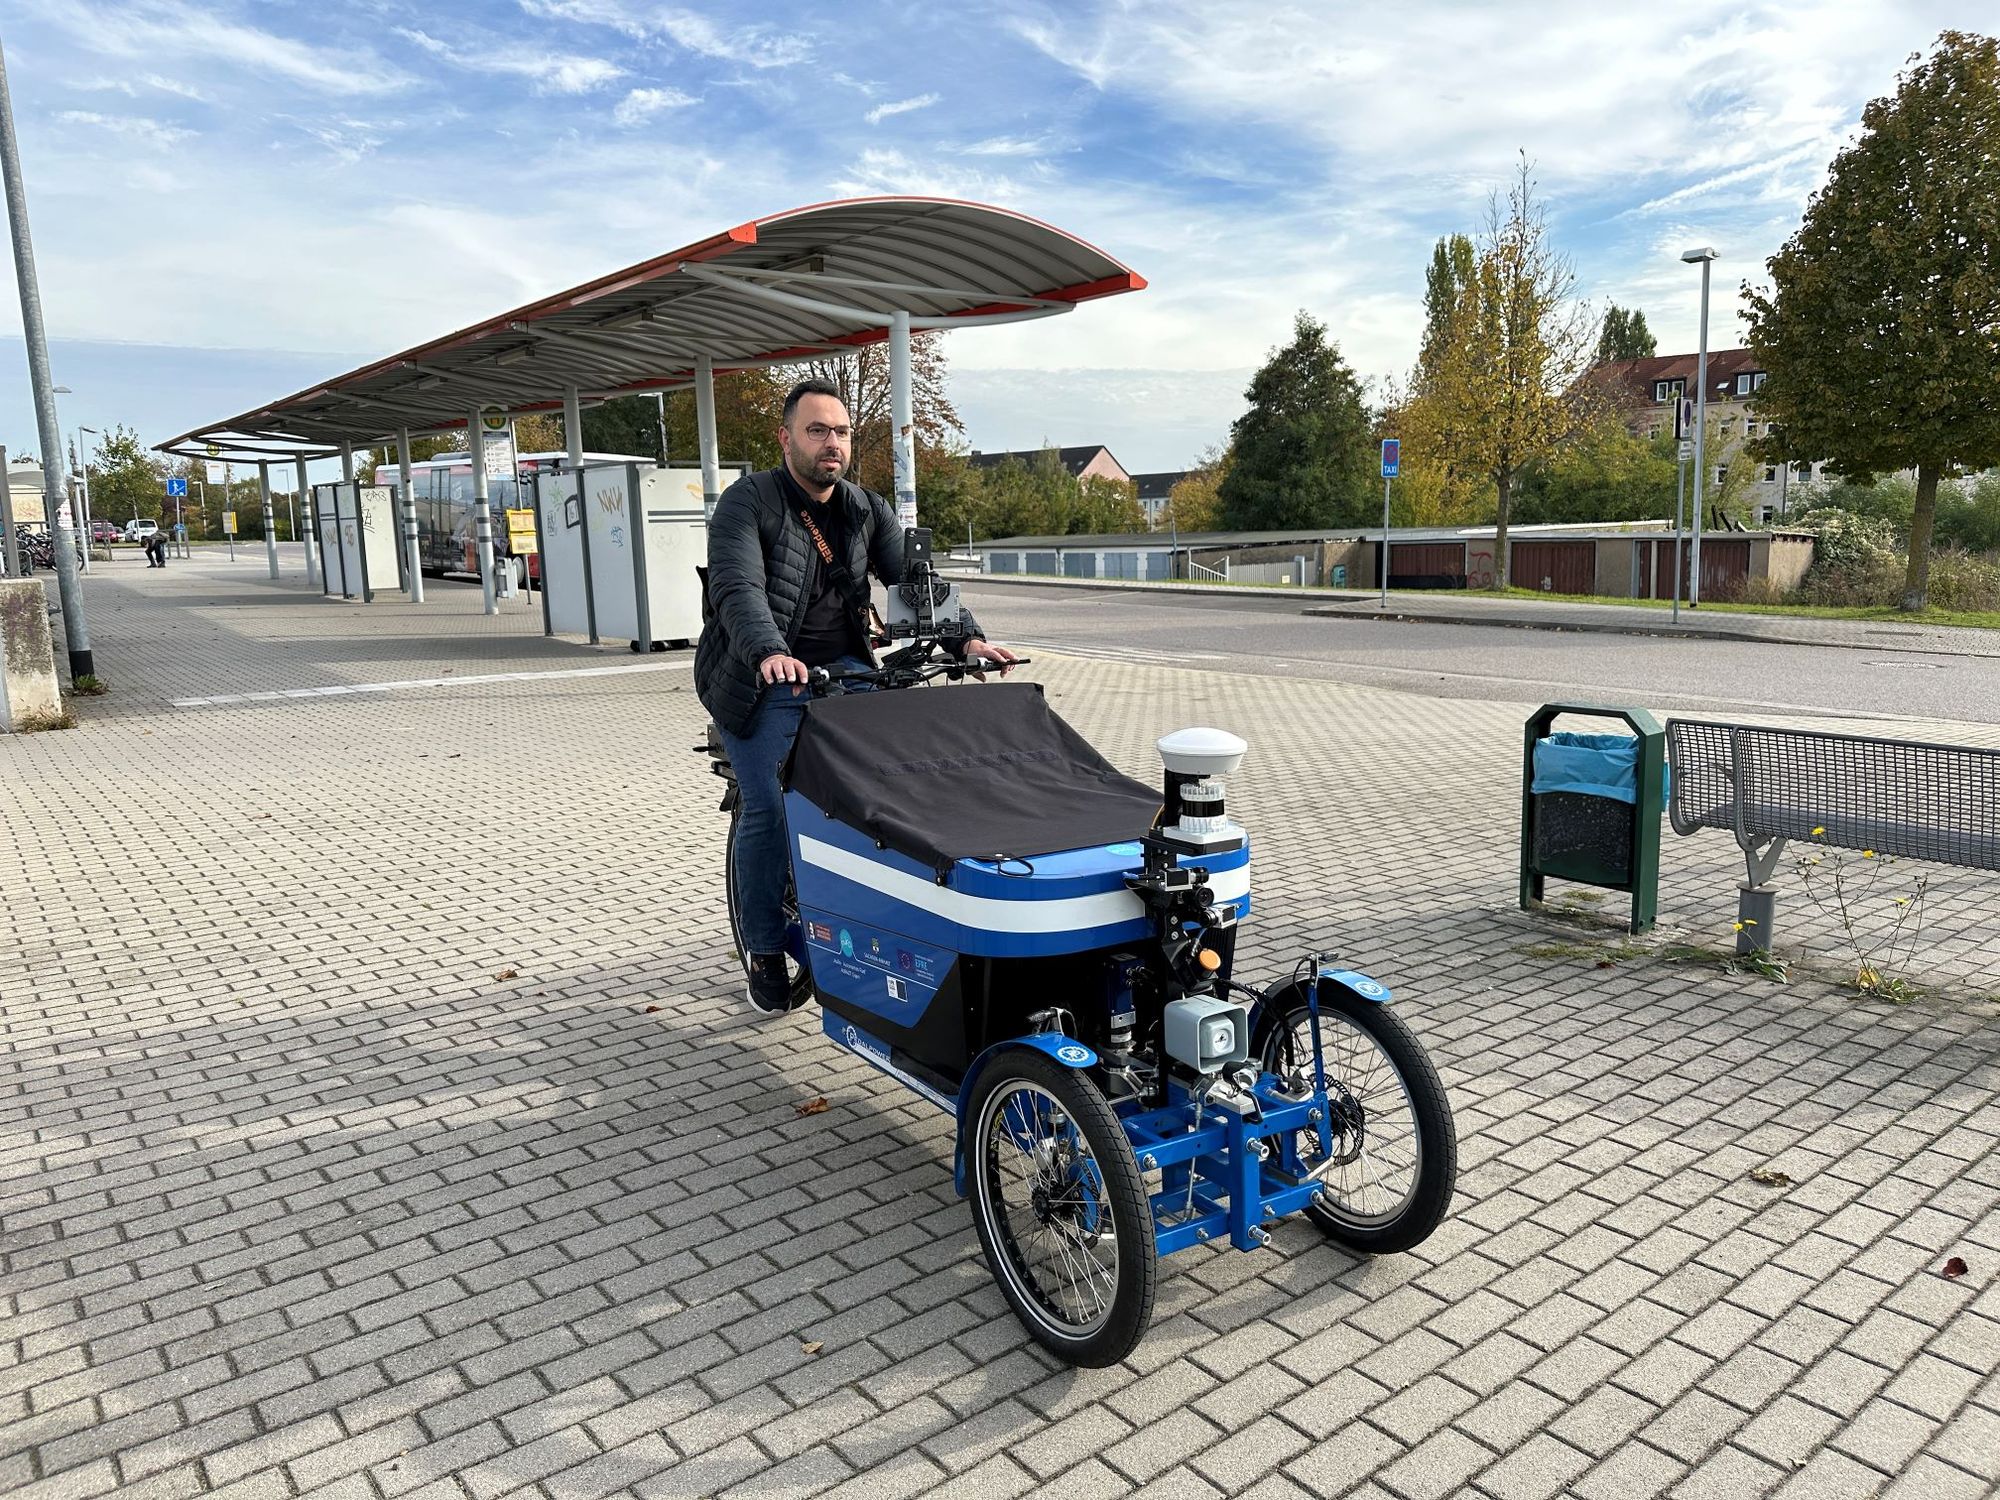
(819, 432)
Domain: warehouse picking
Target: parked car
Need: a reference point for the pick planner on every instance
(139, 530)
(106, 531)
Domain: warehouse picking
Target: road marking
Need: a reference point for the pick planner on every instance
(347, 689)
(1117, 653)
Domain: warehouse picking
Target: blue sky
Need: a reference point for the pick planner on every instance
(233, 198)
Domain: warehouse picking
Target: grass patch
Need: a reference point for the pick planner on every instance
(90, 686)
(1592, 952)
(38, 723)
(1974, 619)
(1696, 953)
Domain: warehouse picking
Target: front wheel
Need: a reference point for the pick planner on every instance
(1061, 1209)
(1388, 1181)
(794, 934)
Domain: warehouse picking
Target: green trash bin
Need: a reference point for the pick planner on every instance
(1591, 806)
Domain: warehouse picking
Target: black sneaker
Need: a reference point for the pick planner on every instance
(770, 987)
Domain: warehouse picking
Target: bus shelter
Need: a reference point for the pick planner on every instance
(799, 285)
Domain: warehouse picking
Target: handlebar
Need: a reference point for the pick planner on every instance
(819, 679)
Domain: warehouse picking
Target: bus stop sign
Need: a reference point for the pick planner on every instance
(1392, 456)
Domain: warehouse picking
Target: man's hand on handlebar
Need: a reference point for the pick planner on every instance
(978, 649)
(779, 667)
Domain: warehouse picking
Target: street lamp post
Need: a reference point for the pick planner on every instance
(68, 589)
(1705, 256)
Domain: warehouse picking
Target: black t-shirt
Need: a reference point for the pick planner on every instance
(829, 630)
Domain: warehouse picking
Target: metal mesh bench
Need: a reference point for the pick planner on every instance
(1769, 786)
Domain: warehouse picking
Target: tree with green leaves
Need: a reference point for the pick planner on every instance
(1624, 336)
(126, 481)
(1453, 261)
(1880, 331)
(1194, 503)
(1506, 391)
(1604, 474)
(1301, 451)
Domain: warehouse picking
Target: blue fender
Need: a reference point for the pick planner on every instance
(1066, 1050)
(1359, 985)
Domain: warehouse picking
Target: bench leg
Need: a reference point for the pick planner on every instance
(1756, 915)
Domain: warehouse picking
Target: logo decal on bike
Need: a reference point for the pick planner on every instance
(1072, 1054)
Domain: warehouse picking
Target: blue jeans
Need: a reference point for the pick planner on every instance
(763, 855)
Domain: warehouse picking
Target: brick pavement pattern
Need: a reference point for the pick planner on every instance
(379, 1117)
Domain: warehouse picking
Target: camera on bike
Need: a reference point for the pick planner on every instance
(923, 606)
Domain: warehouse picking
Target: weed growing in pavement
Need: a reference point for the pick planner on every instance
(90, 686)
(1845, 889)
(1758, 961)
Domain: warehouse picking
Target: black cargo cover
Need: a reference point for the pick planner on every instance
(980, 771)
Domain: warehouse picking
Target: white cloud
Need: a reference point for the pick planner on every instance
(756, 46)
(133, 127)
(1008, 145)
(882, 112)
(156, 30)
(546, 72)
(639, 106)
(174, 86)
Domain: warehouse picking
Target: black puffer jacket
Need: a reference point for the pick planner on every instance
(762, 571)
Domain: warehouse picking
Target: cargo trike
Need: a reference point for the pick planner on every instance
(989, 912)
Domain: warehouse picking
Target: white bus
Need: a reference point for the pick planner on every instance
(447, 538)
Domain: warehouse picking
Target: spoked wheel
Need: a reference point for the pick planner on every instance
(795, 938)
(1061, 1209)
(1388, 1181)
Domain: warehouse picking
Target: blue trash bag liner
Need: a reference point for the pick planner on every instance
(1594, 765)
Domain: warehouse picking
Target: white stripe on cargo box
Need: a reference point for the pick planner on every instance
(991, 913)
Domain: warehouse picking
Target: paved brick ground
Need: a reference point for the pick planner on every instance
(378, 1118)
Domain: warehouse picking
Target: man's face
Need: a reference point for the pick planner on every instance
(818, 440)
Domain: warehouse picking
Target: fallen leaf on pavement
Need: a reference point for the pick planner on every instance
(1769, 1177)
(508, 974)
(812, 1347)
(1954, 1268)
(811, 1107)
(651, 1008)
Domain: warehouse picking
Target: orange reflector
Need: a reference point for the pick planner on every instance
(1209, 959)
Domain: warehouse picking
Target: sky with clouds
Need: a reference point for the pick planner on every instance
(233, 198)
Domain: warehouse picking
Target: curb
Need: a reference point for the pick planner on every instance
(1339, 605)
(1621, 627)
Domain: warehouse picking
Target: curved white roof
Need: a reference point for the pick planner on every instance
(806, 282)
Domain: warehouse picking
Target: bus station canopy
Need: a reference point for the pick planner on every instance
(795, 286)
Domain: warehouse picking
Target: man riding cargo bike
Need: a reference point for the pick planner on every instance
(789, 553)
(989, 912)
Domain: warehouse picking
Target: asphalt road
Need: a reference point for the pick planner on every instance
(1271, 637)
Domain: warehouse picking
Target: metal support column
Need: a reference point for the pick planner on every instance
(406, 510)
(270, 519)
(36, 337)
(573, 436)
(704, 420)
(482, 512)
(311, 527)
(8, 540)
(903, 433)
(1700, 443)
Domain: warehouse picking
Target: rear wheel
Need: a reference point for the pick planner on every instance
(1061, 1209)
(1388, 1180)
(794, 934)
